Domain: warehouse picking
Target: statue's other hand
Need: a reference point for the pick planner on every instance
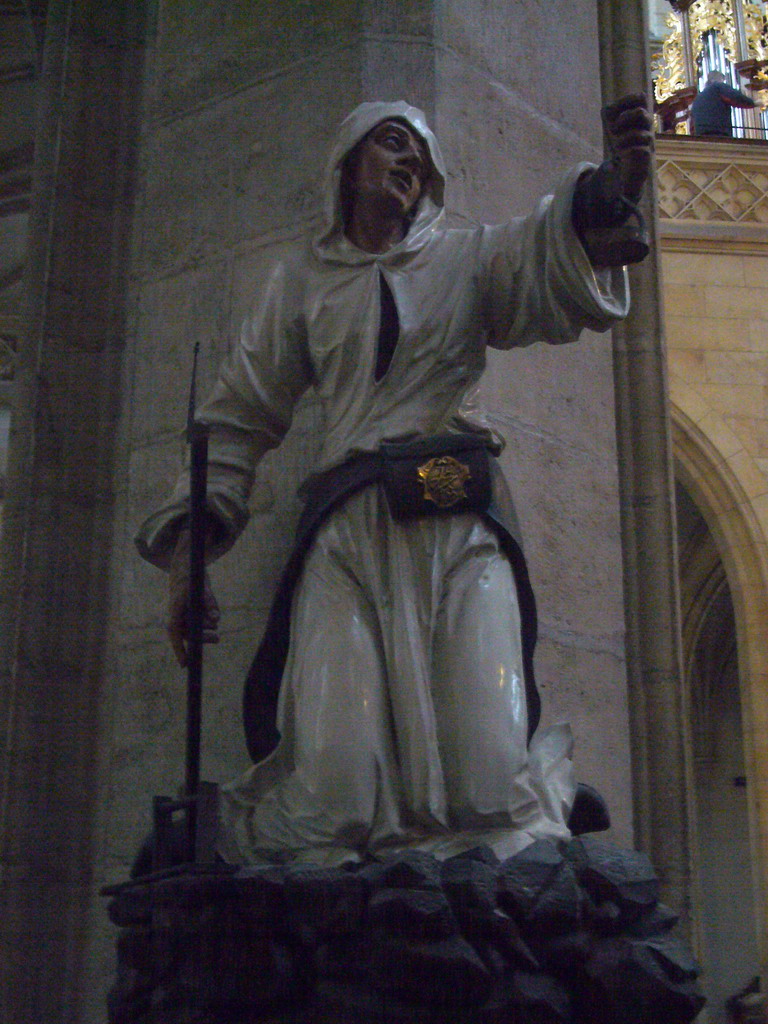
(178, 603)
(629, 128)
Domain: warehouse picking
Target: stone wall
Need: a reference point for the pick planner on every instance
(716, 307)
(239, 102)
(714, 205)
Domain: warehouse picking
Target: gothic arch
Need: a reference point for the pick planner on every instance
(718, 476)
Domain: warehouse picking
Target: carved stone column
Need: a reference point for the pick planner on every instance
(685, 32)
(742, 47)
(62, 483)
(658, 719)
(680, 8)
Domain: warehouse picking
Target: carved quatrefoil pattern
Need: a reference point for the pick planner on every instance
(716, 191)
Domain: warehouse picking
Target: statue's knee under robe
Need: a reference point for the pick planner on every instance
(403, 707)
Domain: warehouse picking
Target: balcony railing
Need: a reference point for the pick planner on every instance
(712, 191)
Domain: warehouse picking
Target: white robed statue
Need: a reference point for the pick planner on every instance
(392, 703)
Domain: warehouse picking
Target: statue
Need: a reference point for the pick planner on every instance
(392, 705)
(400, 849)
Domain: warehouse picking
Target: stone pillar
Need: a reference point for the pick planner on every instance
(60, 499)
(685, 34)
(658, 717)
(742, 47)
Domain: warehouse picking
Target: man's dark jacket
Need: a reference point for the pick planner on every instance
(711, 109)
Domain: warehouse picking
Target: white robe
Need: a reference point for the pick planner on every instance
(402, 708)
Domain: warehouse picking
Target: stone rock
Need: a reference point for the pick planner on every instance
(410, 870)
(469, 885)
(344, 1003)
(323, 901)
(420, 915)
(499, 931)
(674, 958)
(657, 921)
(566, 953)
(605, 918)
(129, 908)
(264, 979)
(134, 949)
(129, 999)
(539, 888)
(528, 998)
(445, 972)
(627, 982)
(343, 959)
(625, 877)
(193, 886)
(263, 892)
(569, 935)
(483, 854)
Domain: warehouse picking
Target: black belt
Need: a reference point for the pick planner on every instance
(431, 476)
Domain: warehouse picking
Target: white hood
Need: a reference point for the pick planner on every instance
(330, 243)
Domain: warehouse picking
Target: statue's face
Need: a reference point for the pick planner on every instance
(392, 165)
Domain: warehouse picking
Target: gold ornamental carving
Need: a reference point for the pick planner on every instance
(714, 16)
(444, 478)
(668, 67)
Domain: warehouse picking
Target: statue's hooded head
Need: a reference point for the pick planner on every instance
(427, 211)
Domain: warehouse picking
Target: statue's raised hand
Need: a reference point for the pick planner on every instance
(629, 134)
(605, 211)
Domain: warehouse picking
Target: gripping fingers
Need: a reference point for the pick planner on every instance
(632, 118)
(178, 616)
(632, 101)
(628, 127)
(177, 634)
(628, 123)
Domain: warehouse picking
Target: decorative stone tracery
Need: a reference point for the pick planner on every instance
(711, 188)
(712, 196)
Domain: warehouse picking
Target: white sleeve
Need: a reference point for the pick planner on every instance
(538, 282)
(248, 412)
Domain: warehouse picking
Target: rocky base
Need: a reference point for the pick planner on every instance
(570, 934)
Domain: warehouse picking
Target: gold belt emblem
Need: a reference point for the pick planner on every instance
(444, 478)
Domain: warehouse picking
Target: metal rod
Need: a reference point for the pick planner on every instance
(197, 437)
(198, 472)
